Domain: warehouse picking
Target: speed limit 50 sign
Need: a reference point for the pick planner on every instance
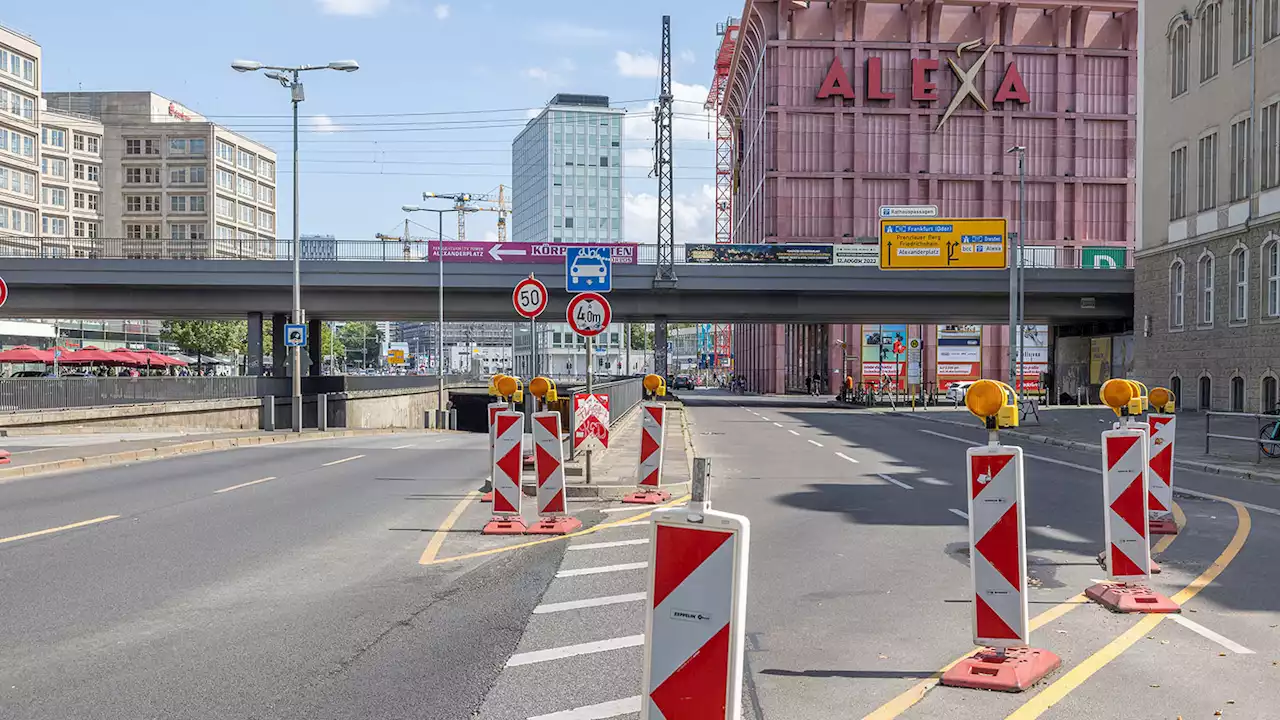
(530, 297)
(589, 314)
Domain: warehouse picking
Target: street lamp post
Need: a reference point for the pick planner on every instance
(458, 199)
(292, 82)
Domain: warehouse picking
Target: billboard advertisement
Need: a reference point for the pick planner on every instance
(881, 365)
(959, 354)
(782, 254)
(1035, 357)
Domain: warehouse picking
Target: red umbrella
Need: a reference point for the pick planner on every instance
(26, 354)
(128, 357)
(91, 355)
(157, 359)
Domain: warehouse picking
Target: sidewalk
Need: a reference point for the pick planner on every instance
(1081, 427)
(613, 473)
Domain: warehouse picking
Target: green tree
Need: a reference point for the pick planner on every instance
(202, 338)
(328, 339)
(641, 337)
(361, 341)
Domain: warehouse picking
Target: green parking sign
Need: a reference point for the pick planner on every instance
(1103, 258)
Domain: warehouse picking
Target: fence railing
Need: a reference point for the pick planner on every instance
(1259, 421)
(18, 394)
(345, 250)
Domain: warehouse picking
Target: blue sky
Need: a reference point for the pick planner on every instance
(416, 56)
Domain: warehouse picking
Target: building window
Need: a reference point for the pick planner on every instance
(225, 179)
(1268, 394)
(178, 146)
(142, 232)
(178, 203)
(150, 147)
(77, 171)
(1270, 145)
(54, 168)
(178, 176)
(224, 207)
(196, 146)
(1175, 387)
(196, 203)
(245, 188)
(92, 173)
(1178, 184)
(187, 231)
(1210, 31)
(266, 220)
(247, 214)
(1270, 20)
(1205, 399)
(78, 201)
(132, 147)
(266, 169)
(1241, 163)
(93, 144)
(133, 203)
(1177, 294)
(52, 137)
(247, 160)
(1241, 29)
(91, 202)
(77, 142)
(53, 226)
(1208, 172)
(54, 197)
(1271, 275)
(1240, 285)
(266, 194)
(226, 152)
(1237, 394)
(1204, 294)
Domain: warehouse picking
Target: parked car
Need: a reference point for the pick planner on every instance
(682, 382)
(956, 391)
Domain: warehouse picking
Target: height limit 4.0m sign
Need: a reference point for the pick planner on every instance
(589, 314)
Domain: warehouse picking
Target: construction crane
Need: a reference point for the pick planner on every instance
(406, 240)
(467, 203)
(728, 32)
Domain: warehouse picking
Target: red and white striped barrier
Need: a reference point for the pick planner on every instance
(508, 433)
(696, 612)
(1128, 549)
(493, 409)
(653, 434)
(1161, 429)
(548, 464)
(998, 569)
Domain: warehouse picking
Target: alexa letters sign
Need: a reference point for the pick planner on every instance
(923, 88)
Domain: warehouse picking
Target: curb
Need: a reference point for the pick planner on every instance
(169, 451)
(1203, 467)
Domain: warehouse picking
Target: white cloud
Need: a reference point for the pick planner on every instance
(690, 121)
(640, 65)
(442, 12)
(322, 124)
(687, 57)
(536, 73)
(694, 216)
(353, 7)
(553, 75)
(560, 32)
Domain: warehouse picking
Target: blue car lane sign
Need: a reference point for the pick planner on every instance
(588, 268)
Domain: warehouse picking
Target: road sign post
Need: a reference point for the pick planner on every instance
(943, 244)
(530, 299)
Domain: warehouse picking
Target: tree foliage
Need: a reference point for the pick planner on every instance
(326, 337)
(355, 336)
(200, 337)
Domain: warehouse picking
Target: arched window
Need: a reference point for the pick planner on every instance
(1205, 400)
(1175, 386)
(1269, 399)
(1241, 29)
(1210, 31)
(1237, 394)
(1271, 274)
(1240, 284)
(1204, 289)
(1177, 294)
(1180, 59)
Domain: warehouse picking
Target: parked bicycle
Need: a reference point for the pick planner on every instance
(1269, 438)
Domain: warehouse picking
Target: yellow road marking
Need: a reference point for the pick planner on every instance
(556, 538)
(237, 487)
(50, 531)
(437, 539)
(1037, 705)
(916, 693)
(338, 462)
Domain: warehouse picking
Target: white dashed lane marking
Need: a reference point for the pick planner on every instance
(588, 603)
(846, 457)
(600, 570)
(602, 711)
(568, 651)
(613, 544)
(961, 513)
(895, 481)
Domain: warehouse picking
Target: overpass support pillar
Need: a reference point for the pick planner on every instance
(253, 341)
(315, 346)
(279, 357)
(659, 346)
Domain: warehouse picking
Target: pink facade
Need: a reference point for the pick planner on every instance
(837, 111)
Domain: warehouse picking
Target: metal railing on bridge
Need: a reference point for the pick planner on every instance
(381, 251)
(18, 394)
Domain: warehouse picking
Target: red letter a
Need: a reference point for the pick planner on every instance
(1012, 87)
(836, 82)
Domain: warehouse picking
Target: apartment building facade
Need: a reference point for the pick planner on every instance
(1207, 289)
(19, 137)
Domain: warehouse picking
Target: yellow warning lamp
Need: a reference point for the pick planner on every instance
(655, 384)
(493, 384)
(1138, 403)
(991, 401)
(1117, 394)
(517, 397)
(543, 388)
(505, 385)
(1163, 399)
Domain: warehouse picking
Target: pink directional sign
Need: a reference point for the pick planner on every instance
(519, 252)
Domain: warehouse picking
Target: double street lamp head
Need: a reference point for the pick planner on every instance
(254, 65)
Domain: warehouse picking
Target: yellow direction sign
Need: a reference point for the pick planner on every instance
(942, 244)
(395, 356)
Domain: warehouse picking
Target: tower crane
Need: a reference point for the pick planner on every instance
(476, 202)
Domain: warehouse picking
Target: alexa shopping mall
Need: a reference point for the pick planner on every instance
(842, 107)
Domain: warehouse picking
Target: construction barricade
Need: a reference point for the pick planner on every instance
(548, 464)
(653, 434)
(998, 556)
(1161, 429)
(508, 433)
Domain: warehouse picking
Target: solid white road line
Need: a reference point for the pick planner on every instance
(899, 483)
(778, 424)
(237, 487)
(961, 513)
(339, 462)
(1058, 534)
(793, 432)
(568, 651)
(402, 447)
(1225, 642)
(846, 457)
(815, 442)
(764, 418)
(603, 711)
(613, 544)
(589, 602)
(933, 481)
(601, 569)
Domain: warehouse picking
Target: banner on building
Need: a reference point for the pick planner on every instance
(759, 254)
(884, 356)
(1103, 258)
(958, 354)
(1035, 357)
(1099, 360)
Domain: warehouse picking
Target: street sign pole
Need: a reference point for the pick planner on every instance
(590, 390)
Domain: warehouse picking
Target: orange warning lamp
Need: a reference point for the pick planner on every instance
(1116, 395)
(493, 383)
(1163, 399)
(1008, 415)
(506, 385)
(1138, 403)
(543, 388)
(984, 399)
(655, 384)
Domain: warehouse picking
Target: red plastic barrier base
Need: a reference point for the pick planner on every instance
(647, 497)
(487, 497)
(1015, 671)
(554, 526)
(4, 457)
(1163, 526)
(504, 526)
(1126, 598)
(1102, 563)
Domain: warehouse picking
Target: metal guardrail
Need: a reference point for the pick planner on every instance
(1261, 420)
(18, 394)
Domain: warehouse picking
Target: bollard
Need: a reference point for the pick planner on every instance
(548, 463)
(653, 434)
(695, 610)
(269, 413)
(507, 465)
(998, 556)
(322, 411)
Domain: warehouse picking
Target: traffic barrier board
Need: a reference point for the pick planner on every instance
(1161, 431)
(548, 464)
(493, 409)
(696, 612)
(507, 465)
(590, 421)
(653, 433)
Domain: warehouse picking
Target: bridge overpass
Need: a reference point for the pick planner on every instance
(377, 290)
